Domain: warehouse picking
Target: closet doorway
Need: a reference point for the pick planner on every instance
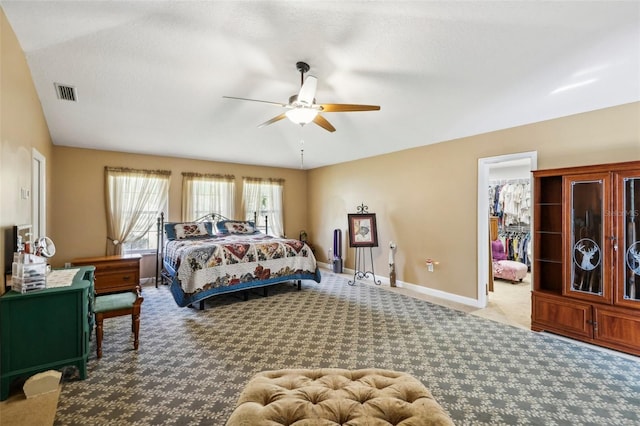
(509, 299)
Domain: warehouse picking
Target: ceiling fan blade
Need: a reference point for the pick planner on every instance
(348, 107)
(257, 100)
(322, 122)
(308, 90)
(273, 120)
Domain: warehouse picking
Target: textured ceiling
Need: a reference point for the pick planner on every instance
(150, 75)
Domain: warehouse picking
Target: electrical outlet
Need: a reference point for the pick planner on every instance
(430, 267)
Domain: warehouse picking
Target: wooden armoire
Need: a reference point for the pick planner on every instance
(586, 257)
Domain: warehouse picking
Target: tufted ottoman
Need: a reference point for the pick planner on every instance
(509, 270)
(331, 396)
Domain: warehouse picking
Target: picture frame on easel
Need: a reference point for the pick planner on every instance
(362, 230)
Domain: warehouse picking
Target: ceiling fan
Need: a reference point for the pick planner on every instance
(302, 107)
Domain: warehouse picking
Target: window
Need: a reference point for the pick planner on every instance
(145, 240)
(135, 199)
(205, 193)
(264, 197)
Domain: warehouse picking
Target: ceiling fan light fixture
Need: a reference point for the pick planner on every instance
(302, 107)
(302, 115)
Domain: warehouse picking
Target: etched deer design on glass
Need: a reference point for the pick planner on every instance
(587, 255)
(636, 259)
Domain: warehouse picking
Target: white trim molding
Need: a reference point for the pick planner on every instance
(38, 193)
(483, 215)
(450, 297)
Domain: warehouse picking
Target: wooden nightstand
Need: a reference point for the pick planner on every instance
(114, 273)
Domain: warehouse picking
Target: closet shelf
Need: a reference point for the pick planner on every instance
(549, 260)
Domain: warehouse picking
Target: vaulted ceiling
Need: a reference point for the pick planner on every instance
(150, 76)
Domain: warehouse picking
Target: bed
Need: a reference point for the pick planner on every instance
(215, 255)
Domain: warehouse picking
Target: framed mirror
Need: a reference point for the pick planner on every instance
(13, 235)
(22, 235)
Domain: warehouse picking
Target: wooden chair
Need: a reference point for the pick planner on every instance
(115, 305)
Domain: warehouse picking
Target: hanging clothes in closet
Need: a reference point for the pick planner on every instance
(510, 201)
(517, 244)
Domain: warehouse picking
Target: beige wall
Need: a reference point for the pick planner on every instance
(79, 217)
(425, 199)
(22, 128)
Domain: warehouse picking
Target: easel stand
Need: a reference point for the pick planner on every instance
(360, 271)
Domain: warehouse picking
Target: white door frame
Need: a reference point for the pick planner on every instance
(38, 194)
(483, 215)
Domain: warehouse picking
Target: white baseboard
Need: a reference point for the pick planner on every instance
(414, 287)
(440, 294)
(147, 280)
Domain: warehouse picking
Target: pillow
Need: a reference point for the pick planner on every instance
(236, 227)
(183, 230)
(170, 230)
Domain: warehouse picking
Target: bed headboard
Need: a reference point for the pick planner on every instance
(266, 222)
(213, 218)
(217, 217)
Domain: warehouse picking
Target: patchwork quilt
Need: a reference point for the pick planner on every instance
(221, 263)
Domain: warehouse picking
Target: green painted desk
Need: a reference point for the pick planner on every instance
(45, 330)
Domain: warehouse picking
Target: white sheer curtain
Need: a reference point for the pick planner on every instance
(274, 199)
(264, 196)
(134, 199)
(207, 193)
(251, 201)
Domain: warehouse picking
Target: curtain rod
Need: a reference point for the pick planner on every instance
(270, 180)
(208, 175)
(129, 170)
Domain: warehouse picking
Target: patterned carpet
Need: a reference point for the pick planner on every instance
(192, 365)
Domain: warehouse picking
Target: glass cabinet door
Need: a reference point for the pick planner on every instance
(628, 225)
(589, 237)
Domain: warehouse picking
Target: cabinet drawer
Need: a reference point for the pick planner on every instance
(618, 327)
(108, 267)
(116, 280)
(561, 315)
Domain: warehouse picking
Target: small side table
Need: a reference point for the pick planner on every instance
(114, 274)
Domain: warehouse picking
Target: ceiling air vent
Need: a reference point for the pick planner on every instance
(66, 93)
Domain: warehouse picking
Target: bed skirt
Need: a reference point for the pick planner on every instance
(184, 299)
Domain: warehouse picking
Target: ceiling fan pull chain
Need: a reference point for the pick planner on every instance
(301, 148)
